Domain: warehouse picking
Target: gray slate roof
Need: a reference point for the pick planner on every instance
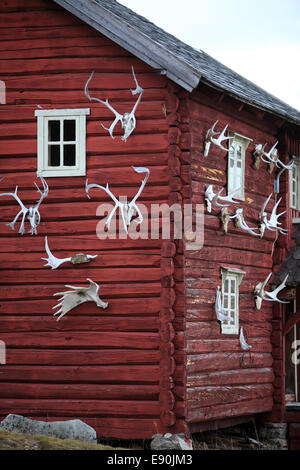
(291, 265)
(181, 63)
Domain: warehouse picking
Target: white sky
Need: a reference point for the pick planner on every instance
(259, 39)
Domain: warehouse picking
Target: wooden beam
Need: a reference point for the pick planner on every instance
(291, 322)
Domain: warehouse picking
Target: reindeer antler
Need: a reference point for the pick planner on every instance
(31, 213)
(128, 120)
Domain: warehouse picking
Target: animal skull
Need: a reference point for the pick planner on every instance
(54, 262)
(212, 198)
(240, 222)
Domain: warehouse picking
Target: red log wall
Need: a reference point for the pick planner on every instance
(117, 369)
(222, 381)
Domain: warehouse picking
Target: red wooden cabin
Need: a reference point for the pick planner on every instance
(157, 359)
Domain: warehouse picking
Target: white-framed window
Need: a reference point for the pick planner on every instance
(236, 164)
(61, 142)
(231, 279)
(294, 186)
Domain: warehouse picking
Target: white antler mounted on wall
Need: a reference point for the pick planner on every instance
(128, 120)
(240, 222)
(261, 294)
(211, 139)
(244, 345)
(221, 313)
(271, 223)
(271, 157)
(77, 296)
(216, 199)
(31, 213)
(127, 210)
(54, 262)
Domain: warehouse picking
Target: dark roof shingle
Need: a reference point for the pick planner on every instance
(177, 58)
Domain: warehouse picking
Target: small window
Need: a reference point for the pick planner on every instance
(294, 186)
(231, 279)
(61, 142)
(236, 164)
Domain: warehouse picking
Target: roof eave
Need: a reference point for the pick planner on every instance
(133, 41)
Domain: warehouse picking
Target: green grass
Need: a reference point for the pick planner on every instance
(14, 441)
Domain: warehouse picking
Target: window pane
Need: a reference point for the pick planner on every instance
(232, 303)
(225, 301)
(69, 155)
(53, 155)
(231, 163)
(54, 131)
(239, 152)
(69, 130)
(226, 286)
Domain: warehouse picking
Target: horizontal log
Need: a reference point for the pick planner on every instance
(202, 346)
(72, 407)
(34, 261)
(83, 64)
(75, 323)
(140, 374)
(246, 407)
(139, 307)
(72, 276)
(200, 397)
(76, 357)
(40, 291)
(226, 361)
(72, 339)
(78, 242)
(231, 377)
(79, 392)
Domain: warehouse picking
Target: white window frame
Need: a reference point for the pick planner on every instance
(231, 275)
(295, 195)
(43, 117)
(232, 173)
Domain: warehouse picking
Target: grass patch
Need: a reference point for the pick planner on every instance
(14, 441)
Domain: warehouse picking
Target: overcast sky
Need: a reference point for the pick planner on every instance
(259, 39)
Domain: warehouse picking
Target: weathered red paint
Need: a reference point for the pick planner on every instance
(155, 360)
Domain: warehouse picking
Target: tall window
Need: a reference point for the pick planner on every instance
(294, 186)
(61, 142)
(231, 279)
(236, 164)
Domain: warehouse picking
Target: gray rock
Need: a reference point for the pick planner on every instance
(72, 429)
(170, 441)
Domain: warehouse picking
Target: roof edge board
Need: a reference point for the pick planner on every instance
(113, 28)
(250, 102)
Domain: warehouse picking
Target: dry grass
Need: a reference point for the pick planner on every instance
(14, 441)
